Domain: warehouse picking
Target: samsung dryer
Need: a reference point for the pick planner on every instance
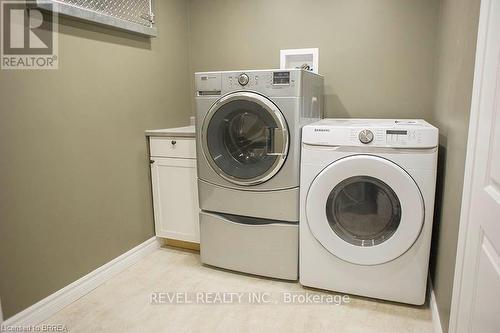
(248, 127)
(367, 202)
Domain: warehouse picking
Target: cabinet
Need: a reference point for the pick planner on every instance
(175, 191)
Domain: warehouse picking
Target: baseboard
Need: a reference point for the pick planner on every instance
(182, 244)
(50, 305)
(436, 321)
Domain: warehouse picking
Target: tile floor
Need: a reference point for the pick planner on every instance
(123, 304)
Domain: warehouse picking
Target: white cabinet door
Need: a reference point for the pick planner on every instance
(175, 198)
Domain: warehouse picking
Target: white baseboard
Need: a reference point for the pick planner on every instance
(436, 321)
(51, 304)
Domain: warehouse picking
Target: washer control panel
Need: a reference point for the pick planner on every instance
(376, 133)
(386, 137)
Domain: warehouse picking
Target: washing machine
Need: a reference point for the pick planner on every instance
(248, 127)
(367, 199)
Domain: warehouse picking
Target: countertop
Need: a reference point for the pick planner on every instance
(186, 131)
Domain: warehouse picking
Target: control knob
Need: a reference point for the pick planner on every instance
(243, 79)
(365, 136)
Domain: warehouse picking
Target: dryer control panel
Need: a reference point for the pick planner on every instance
(267, 80)
(389, 133)
(271, 83)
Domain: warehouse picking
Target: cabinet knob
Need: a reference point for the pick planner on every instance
(151, 161)
(173, 142)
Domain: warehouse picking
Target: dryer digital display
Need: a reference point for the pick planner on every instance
(281, 78)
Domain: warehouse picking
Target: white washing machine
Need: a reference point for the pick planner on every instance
(248, 126)
(367, 200)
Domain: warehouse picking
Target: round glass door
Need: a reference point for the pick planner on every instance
(244, 138)
(365, 209)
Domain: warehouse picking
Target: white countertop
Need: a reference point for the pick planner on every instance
(185, 131)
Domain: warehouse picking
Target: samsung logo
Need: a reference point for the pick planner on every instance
(321, 130)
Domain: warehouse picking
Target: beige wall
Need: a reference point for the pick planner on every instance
(74, 180)
(455, 59)
(377, 56)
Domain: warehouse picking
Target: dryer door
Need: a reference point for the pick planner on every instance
(245, 138)
(365, 209)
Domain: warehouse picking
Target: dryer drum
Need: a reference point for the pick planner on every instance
(246, 139)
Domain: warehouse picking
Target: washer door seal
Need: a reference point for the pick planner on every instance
(365, 209)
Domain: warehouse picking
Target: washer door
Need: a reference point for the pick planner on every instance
(245, 138)
(365, 209)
